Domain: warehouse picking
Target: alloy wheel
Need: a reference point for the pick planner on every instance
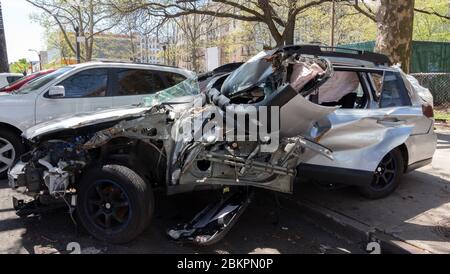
(7, 154)
(385, 172)
(108, 205)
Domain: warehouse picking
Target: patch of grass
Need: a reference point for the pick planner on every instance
(442, 115)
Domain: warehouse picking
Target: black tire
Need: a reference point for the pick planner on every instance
(107, 192)
(387, 176)
(7, 136)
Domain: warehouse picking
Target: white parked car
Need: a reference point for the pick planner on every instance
(7, 78)
(76, 89)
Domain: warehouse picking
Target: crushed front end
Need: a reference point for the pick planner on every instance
(233, 133)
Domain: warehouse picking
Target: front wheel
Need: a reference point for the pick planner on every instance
(114, 203)
(11, 148)
(387, 176)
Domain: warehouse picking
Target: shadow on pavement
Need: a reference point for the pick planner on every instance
(256, 232)
(417, 212)
(443, 141)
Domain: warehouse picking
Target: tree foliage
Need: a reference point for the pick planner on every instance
(20, 66)
(428, 27)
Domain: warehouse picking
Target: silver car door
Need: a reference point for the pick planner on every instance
(360, 138)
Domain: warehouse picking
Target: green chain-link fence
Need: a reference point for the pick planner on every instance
(439, 86)
(426, 56)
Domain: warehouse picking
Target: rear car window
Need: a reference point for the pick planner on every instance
(138, 82)
(377, 80)
(173, 78)
(393, 92)
(12, 79)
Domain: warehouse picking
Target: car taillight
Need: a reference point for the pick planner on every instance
(427, 110)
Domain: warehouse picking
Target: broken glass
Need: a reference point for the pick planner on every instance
(188, 87)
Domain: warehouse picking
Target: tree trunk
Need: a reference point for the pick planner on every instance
(133, 49)
(4, 66)
(395, 25)
(288, 33)
(194, 57)
(90, 42)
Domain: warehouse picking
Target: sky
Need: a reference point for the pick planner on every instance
(21, 33)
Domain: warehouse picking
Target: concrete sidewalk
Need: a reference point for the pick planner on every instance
(415, 218)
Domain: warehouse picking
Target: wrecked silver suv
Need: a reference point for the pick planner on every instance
(295, 111)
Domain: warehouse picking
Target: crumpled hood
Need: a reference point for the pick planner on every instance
(93, 118)
(82, 120)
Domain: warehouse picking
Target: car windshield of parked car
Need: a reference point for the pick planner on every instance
(42, 81)
(188, 87)
(19, 80)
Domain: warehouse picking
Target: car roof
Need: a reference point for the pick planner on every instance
(114, 64)
(10, 74)
(339, 55)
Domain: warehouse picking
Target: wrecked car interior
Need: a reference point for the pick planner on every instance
(283, 114)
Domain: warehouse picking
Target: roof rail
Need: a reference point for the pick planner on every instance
(131, 62)
(327, 51)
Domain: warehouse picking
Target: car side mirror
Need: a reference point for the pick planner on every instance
(57, 91)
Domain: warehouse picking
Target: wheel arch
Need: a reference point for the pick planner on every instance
(404, 151)
(10, 128)
(139, 156)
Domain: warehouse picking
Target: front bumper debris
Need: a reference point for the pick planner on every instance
(212, 223)
(34, 207)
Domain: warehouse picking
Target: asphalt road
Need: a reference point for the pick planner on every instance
(258, 230)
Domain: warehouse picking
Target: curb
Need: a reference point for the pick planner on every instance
(351, 229)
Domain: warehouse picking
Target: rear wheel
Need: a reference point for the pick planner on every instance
(11, 148)
(114, 204)
(387, 176)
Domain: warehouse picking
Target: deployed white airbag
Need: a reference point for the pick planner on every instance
(339, 85)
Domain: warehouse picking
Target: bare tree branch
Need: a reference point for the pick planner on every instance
(433, 12)
(261, 11)
(92, 17)
(367, 12)
(62, 28)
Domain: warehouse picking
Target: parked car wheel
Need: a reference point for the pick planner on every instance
(114, 204)
(386, 177)
(11, 148)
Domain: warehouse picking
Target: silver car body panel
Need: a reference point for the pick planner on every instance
(299, 116)
(359, 142)
(353, 139)
(356, 133)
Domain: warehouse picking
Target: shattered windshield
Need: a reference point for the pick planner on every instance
(188, 87)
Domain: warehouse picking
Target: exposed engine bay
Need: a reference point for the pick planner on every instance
(232, 133)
